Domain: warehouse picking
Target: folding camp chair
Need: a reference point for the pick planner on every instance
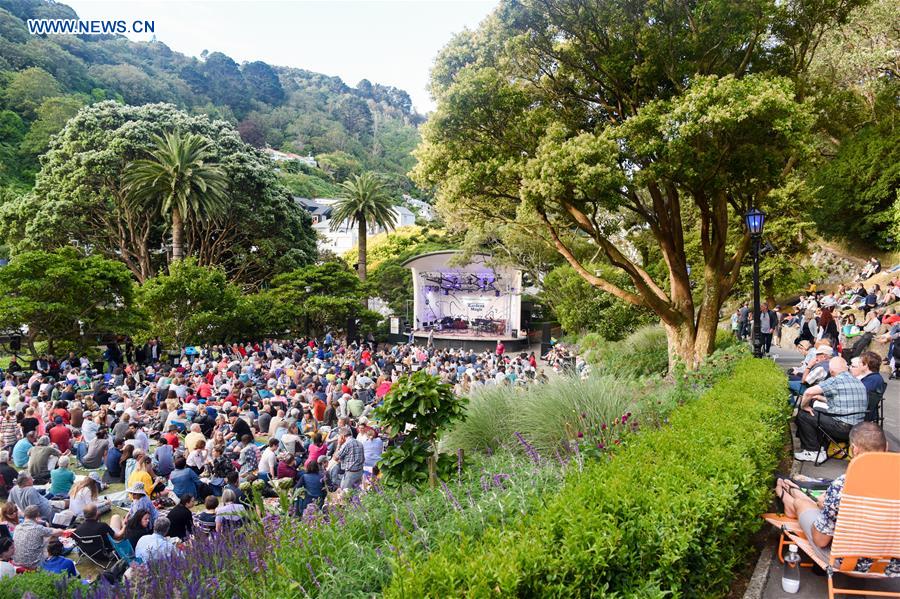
(124, 550)
(92, 548)
(874, 413)
(868, 524)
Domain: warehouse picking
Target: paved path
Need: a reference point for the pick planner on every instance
(812, 586)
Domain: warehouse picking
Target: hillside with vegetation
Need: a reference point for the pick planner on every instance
(46, 80)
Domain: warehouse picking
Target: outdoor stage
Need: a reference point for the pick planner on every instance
(472, 340)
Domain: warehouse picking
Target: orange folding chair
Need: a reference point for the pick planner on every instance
(868, 524)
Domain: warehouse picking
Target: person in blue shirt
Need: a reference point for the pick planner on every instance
(21, 449)
(113, 459)
(186, 481)
(55, 561)
(163, 460)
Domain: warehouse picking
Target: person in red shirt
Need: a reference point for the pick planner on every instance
(171, 437)
(204, 390)
(61, 412)
(60, 435)
(319, 409)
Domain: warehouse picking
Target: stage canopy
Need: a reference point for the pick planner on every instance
(475, 297)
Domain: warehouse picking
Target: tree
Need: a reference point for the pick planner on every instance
(365, 203)
(80, 194)
(63, 295)
(315, 299)
(580, 308)
(224, 82)
(28, 89)
(252, 133)
(263, 83)
(190, 304)
(611, 118)
(178, 181)
(857, 189)
(424, 407)
(51, 118)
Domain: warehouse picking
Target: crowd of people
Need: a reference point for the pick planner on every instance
(198, 431)
(850, 319)
(838, 391)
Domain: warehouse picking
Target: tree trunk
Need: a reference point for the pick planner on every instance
(361, 265)
(177, 235)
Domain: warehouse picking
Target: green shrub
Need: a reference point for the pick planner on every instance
(671, 515)
(40, 584)
(643, 353)
(546, 415)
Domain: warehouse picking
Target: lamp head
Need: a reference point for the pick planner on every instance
(755, 220)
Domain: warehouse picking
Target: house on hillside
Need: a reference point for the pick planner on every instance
(423, 208)
(278, 156)
(345, 237)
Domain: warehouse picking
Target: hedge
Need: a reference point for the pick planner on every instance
(671, 514)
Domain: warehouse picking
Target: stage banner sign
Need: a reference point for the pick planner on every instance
(395, 325)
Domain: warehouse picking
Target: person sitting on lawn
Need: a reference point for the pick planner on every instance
(157, 545)
(818, 517)
(56, 562)
(29, 539)
(93, 527)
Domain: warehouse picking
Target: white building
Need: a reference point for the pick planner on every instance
(278, 156)
(423, 208)
(345, 238)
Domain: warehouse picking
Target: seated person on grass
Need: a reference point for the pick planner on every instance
(55, 562)
(818, 517)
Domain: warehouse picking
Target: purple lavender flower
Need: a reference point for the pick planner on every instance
(450, 497)
(530, 451)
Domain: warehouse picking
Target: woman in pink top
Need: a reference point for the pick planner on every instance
(317, 448)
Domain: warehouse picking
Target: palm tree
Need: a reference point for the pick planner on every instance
(178, 180)
(364, 202)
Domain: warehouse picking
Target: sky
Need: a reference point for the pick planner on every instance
(388, 42)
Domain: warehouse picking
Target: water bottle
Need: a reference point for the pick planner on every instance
(790, 578)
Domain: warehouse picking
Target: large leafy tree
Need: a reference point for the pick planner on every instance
(178, 180)
(81, 196)
(364, 202)
(190, 304)
(62, 295)
(315, 299)
(607, 118)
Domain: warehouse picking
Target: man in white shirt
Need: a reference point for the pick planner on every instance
(155, 546)
(268, 461)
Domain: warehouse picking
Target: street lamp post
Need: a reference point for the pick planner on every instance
(755, 220)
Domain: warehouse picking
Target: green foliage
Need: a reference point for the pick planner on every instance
(856, 191)
(315, 299)
(672, 514)
(40, 585)
(178, 180)
(657, 120)
(385, 254)
(579, 307)
(548, 415)
(52, 116)
(190, 304)
(58, 295)
(356, 549)
(81, 194)
(643, 353)
(28, 89)
(429, 406)
(291, 109)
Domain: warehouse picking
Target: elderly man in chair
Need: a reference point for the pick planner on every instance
(818, 517)
(846, 400)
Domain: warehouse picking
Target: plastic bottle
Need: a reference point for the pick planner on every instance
(790, 578)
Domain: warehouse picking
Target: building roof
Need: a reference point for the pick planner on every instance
(314, 207)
